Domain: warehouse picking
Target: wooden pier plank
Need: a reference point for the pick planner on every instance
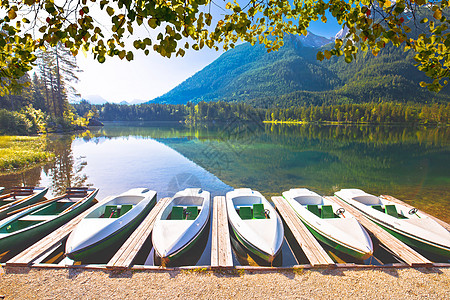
(397, 247)
(225, 259)
(30, 254)
(395, 200)
(126, 254)
(214, 235)
(310, 246)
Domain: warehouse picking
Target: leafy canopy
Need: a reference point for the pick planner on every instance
(419, 25)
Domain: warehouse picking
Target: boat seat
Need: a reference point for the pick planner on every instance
(37, 218)
(327, 212)
(191, 212)
(314, 209)
(245, 212)
(391, 210)
(110, 212)
(177, 213)
(258, 211)
(125, 208)
(378, 207)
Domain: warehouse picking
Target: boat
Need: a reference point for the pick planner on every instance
(29, 224)
(330, 223)
(255, 223)
(180, 224)
(407, 224)
(1, 189)
(106, 228)
(20, 197)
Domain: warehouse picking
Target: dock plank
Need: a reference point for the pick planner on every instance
(26, 257)
(124, 257)
(407, 254)
(214, 235)
(225, 259)
(310, 246)
(395, 200)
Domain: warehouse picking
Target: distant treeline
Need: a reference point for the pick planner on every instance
(190, 113)
(389, 112)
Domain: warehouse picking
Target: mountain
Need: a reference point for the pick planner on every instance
(95, 99)
(293, 76)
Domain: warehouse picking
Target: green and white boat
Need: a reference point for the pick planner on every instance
(32, 223)
(330, 223)
(255, 223)
(106, 228)
(20, 197)
(408, 225)
(180, 224)
(1, 189)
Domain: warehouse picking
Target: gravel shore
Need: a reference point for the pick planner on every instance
(386, 283)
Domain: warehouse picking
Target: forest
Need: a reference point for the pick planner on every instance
(376, 113)
(43, 104)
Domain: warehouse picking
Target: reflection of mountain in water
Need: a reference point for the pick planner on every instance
(410, 163)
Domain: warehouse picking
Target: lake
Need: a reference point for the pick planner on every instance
(410, 163)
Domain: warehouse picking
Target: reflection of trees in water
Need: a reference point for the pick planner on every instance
(65, 171)
(27, 178)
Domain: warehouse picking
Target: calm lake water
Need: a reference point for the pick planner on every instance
(409, 163)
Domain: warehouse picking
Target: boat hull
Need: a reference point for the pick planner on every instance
(112, 242)
(414, 236)
(253, 249)
(414, 242)
(178, 258)
(32, 200)
(173, 238)
(261, 236)
(335, 244)
(16, 242)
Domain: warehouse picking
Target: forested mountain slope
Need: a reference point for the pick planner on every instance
(293, 76)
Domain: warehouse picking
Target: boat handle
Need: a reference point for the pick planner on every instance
(413, 211)
(340, 211)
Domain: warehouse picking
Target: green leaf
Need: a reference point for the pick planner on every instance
(12, 14)
(130, 56)
(320, 56)
(110, 10)
(437, 14)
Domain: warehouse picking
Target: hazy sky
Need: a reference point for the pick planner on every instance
(147, 77)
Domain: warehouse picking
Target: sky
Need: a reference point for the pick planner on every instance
(147, 77)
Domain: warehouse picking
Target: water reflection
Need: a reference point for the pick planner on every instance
(410, 163)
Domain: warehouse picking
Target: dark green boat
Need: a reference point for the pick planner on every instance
(32, 223)
(20, 197)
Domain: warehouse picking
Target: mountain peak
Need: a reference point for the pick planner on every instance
(312, 40)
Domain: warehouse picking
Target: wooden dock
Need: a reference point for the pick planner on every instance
(395, 200)
(26, 257)
(310, 246)
(124, 257)
(221, 256)
(408, 255)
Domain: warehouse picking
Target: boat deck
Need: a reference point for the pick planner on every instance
(221, 256)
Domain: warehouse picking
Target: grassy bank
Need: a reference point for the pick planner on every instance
(20, 152)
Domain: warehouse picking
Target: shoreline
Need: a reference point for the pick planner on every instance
(389, 283)
(353, 123)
